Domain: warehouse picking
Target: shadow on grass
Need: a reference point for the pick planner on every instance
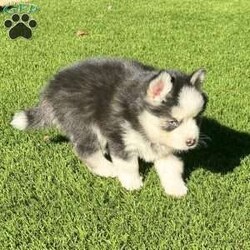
(224, 151)
(59, 139)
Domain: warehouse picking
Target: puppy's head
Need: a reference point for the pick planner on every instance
(174, 103)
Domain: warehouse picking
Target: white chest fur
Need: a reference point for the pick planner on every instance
(136, 143)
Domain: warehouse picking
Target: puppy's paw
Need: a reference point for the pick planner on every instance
(131, 182)
(176, 189)
(105, 170)
(108, 172)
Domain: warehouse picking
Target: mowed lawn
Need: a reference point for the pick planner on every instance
(48, 199)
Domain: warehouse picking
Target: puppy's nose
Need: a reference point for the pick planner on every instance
(190, 142)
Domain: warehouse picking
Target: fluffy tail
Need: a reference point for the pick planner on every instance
(37, 117)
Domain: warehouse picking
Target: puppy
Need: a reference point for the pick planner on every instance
(125, 109)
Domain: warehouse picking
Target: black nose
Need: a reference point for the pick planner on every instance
(190, 142)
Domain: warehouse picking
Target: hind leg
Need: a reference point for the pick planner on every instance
(89, 150)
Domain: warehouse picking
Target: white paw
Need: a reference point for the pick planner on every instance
(176, 189)
(105, 170)
(113, 173)
(131, 182)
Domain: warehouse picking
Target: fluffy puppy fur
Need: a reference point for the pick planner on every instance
(125, 109)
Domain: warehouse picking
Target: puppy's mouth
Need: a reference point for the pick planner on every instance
(169, 148)
(186, 148)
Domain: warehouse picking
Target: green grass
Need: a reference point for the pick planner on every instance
(48, 199)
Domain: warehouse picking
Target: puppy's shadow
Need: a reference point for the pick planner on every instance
(224, 151)
(59, 139)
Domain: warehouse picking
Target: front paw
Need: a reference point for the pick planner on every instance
(131, 182)
(176, 189)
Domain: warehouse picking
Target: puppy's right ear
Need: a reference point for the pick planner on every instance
(158, 88)
(197, 78)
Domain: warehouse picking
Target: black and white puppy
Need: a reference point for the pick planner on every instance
(127, 109)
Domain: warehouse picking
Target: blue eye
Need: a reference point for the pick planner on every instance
(172, 124)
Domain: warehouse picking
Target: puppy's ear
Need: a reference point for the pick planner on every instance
(197, 78)
(158, 88)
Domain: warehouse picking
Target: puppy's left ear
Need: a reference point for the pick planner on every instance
(158, 88)
(197, 78)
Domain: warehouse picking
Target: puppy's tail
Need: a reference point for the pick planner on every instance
(37, 117)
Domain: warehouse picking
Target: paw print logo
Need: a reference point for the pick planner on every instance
(20, 26)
